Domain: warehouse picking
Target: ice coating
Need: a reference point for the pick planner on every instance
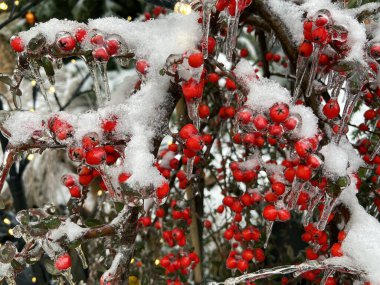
(291, 16)
(69, 229)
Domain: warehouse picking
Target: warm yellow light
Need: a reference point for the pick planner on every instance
(17, 2)
(3, 6)
(34, 279)
(30, 156)
(52, 89)
(157, 262)
(33, 83)
(182, 8)
(7, 221)
(129, 18)
(10, 232)
(132, 260)
(100, 192)
(73, 61)
(31, 110)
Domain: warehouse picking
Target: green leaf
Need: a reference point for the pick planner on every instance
(119, 206)
(52, 222)
(6, 79)
(37, 43)
(92, 223)
(48, 66)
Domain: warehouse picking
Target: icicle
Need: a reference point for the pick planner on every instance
(9, 158)
(82, 257)
(34, 67)
(68, 276)
(232, 29)
(268, 232)
(94, 75)
(314, 201)
(329, 204)
(189, 167)
(353, 92)
(16, 99)
(375, 151)
(107, 182)
(313, 70)
(103, 73)
(326, 275)
(337, 81)
(59, 63)
(294, 194)
(207, 7)
(300, 74)
(192, 111)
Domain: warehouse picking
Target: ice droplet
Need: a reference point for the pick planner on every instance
(313, 70)
(103, 73)
(94, 75)
(207, 8)
(35, 70)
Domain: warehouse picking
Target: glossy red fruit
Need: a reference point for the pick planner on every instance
(242, 265)
(203, 111)
(67, 43)
(231, 263)
(247, 254)
(278, 188)
(270, 213)
(279, 112)
(375, 51)
(188, 131)
(96, 156)
(260, 122)
(196, 60)
(113, 46)
(290, 123)
(311, 254)
(213, 78)
(259, 254)
(192, 89)
(211, 44)
(321, 36)
(207, 224)
(162, 191)
(194, 143)
(75, 191)
(244, 52)
(80, 34)
(63, 262)
(303, 172)
(331, 109)
(336, 250)
(123, 177)
(17, 44)
(230, 84)
(228, 234)
(142, 66)
(306, 49)
(101, 54)
(283, 215)
(97, 40)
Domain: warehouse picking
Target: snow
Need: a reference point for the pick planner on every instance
(22, 125)
(361, 247)
(244, 72)
(309, 122)
(264, 93)
(69, 229)
(50, 29)
(340, 160)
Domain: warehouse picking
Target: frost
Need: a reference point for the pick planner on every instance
(244, 72)
(309, 122)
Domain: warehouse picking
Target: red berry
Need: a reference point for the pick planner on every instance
(242, 265)
(230, 84)
(231, 262)
(283, 215)
(192, 89)
(101, 54)
(96, 156)
(204, 111)
(196, 60)
(276, 57)
(260, 122)
(63, 262)
(270, 213)
(123, 177)
(97, 40)
(279, 112)
(17, 44)
(113, 46)
(142, 66)
(336, 250)
(244, 52)
(211, 44)
(303, 172)
(311, 254)
(194, 143)
(75, 191)
(247, 254)
(162, 191)
(188, 131)
(278, 188)
(331, 109)
(80, 34)
(305, 49)
(213, 78)
(321, 36)
(66, 43)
